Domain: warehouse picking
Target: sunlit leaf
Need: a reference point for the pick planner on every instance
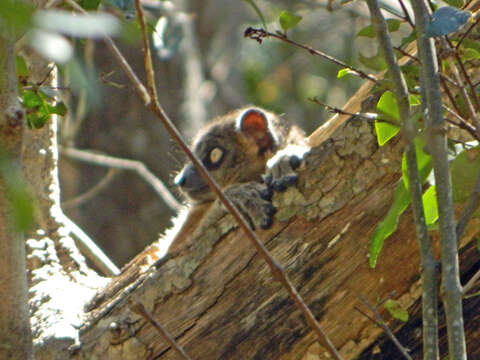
(395, 310)
(430, 206)
(369, 31)
(424, 163)
(288, 20)
(385, 131)
(384, 229)
(446, 20)
(344, 72)
(414, 100)
(387, 105)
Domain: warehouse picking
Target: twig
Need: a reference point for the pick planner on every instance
(407, 15)
(463, 124)
(141, 90)
(383, 325)
(405, 53)
(469, 208)
(335, 110)
(260, 34)
(471, 283)
(467, 32)
(90, 249)
(428, 263)
(466, 76)
(278, 272)
(138, 308)
(92, 192)
(437, 145)
(132, 165)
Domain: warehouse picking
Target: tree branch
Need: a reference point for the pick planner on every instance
(428, 263)
(437, 145)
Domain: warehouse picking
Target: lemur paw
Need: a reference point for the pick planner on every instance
(253, 200)
(280, 173)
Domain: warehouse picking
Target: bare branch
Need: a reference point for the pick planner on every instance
(92, 192)
(384, 326)
(260, 34)
(132, 165)
(140, 309)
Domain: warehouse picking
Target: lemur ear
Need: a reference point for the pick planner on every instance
(254, 123)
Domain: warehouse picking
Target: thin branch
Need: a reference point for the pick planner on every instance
(92, 192)
(335, 110)
(463, 124)
(132, 165)
(90, 249)
(437, 145)
(384, 326)
(278, 272)
(138, 308)
(466, 33)
(260, 34)
(428, 263)
(465, 75)
(471, 283)
(407, 15)
(405, 53)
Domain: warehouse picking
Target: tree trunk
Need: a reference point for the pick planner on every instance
(218, 298)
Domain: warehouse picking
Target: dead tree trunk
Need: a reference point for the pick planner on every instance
(216, 296)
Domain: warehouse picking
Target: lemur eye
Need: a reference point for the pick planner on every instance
(216, 156)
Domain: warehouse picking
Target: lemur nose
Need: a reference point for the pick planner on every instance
(180, 179)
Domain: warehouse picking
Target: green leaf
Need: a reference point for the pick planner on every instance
(455, 3)
(288, 20)
(478, 243)
(464, 169)
(424, 163)
(31, 99)
(368, 31)
(376, 62)
(446, 20)
(89, 4)
(257, 10)
(430, 207)
(21, 66)
(469, 54)
(344, 72)
(409, 38)
(387, 105)
(414, 100)
(395, 310)
(385, 131)
(387, 227)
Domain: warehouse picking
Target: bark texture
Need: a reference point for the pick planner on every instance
(217, 297)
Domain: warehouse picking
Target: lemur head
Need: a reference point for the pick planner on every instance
(234, 148)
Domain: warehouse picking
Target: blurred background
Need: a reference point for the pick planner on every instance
(204, 68)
